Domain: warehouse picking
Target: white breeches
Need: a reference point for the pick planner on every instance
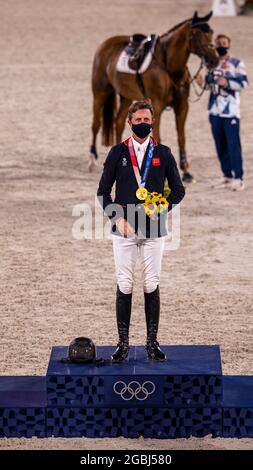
(126, 251)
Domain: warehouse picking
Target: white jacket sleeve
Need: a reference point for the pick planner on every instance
(239, 80)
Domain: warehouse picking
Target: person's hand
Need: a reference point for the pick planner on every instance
(199, 79)
(125, 229)
(222, 81)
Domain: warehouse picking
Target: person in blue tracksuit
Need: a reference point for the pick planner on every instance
(225, 84)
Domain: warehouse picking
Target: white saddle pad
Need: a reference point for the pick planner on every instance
(122, 63)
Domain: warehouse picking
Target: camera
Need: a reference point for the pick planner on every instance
(213, 76)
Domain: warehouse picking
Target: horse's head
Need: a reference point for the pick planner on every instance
(200, 39)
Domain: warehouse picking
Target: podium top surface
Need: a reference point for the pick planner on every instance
(181, 360)
(238, 391)
(23, 391)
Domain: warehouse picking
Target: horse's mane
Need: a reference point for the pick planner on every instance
(177, 26)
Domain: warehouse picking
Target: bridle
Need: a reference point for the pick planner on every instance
(193, 36)
(195, 40)
(195, 43)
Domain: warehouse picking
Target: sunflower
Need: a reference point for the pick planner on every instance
(149, 207)
(163, 203)
(148, 201)
(156, 200)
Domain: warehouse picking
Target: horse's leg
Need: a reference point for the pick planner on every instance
(158, 108)
(181, 108)
(98, 103)
(121, 117)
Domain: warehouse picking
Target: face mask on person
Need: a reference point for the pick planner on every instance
(222, 50)
(142, 130)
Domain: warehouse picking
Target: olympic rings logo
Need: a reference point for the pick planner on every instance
(134, 390)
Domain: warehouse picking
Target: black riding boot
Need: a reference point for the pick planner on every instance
(152, 311)
(123, 314)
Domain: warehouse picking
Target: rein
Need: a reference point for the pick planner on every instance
(192, 82)
(196, 74)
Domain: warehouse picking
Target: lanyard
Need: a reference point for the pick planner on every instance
(141, 181)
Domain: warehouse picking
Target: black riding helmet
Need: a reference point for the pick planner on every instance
(82, 349)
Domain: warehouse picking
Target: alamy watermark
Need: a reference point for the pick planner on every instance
(90, 222)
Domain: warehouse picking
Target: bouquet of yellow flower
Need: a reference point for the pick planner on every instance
(154, 203)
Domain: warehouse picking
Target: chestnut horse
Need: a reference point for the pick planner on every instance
(166, 82)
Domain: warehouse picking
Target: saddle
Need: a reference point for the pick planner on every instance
(138, 48)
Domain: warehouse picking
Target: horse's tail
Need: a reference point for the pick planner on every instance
(108, 118)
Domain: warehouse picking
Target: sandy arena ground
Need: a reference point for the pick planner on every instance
(52, 287)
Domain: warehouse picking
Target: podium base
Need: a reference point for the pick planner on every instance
(182, 397)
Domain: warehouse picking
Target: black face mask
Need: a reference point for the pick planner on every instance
(222, 50)
(142, 130)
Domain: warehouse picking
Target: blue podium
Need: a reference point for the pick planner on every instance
(238, 406)
(186, 395)
(177, 398)
(23, 406)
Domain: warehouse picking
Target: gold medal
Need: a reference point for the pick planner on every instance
(141, 193)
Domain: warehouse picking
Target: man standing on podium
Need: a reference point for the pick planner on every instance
(139, 166)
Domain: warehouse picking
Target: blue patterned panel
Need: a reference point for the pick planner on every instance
(22, 422)
(75, 391)
(191, 390)
(162, 423)
(75, 422)
(148, 422)
(238, 422)
(207, 421)
(159, 423)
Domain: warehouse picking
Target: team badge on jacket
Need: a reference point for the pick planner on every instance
(124, 161)
(156, 161)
